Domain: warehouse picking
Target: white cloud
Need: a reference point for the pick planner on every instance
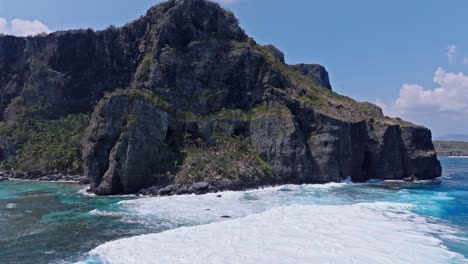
(452, 53)
(3, 24)
(452, 95)
(444, 109)
(21, 27)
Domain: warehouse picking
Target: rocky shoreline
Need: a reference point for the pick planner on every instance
(34, 176)
(195, 188)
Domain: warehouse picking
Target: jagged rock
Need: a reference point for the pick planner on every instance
(315, 72)
(167, 190)
(124, 147)
(278, 54)
(337, 148)
(279, 141)
(200, 186)
(84, 180)
(423, 163)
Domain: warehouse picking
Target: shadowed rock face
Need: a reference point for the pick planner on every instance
(125, 146)
(278, 139)
(201, 95)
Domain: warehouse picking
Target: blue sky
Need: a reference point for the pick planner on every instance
(411, 57)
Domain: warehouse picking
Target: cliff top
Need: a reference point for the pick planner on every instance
(183, 25)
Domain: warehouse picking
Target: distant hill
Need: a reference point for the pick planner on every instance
(453, 137)
(451, 148)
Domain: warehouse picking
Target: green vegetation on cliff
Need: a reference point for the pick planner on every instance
(143, 72)
(143, 94)
(232, 163)
(323, 100)
(230, 113)
(47, 146)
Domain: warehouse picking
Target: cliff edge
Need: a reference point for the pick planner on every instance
(182, 100)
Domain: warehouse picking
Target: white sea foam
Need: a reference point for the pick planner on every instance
(10, 206)
(359, 233)
(84, 191)
(175, 211)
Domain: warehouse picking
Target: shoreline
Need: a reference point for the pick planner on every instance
(156, 192)
(38, 180)
(31, 176)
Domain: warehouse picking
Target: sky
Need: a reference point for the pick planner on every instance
(409, 57)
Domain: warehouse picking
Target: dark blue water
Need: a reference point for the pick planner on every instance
(56, 223)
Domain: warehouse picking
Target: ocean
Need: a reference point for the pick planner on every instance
(374, 222)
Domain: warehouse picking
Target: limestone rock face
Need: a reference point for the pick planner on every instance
(124, 147)
(278, 139)
(203, 108)
(68, 70)
(337, 148)
(423, 161)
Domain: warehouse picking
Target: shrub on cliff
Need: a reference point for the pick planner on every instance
(50, 146)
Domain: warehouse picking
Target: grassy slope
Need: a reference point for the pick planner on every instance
(325, 101)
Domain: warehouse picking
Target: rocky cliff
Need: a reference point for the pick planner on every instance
(184, 101)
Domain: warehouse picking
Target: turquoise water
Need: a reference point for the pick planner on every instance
(50, 222)
(57, 223)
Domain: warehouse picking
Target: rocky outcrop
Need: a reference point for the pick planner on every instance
(423, 163)
(37, 176)
(278, 140)
(277, 54)
(315, 72)
(202, 108)
(267, 145)
(126, 148)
